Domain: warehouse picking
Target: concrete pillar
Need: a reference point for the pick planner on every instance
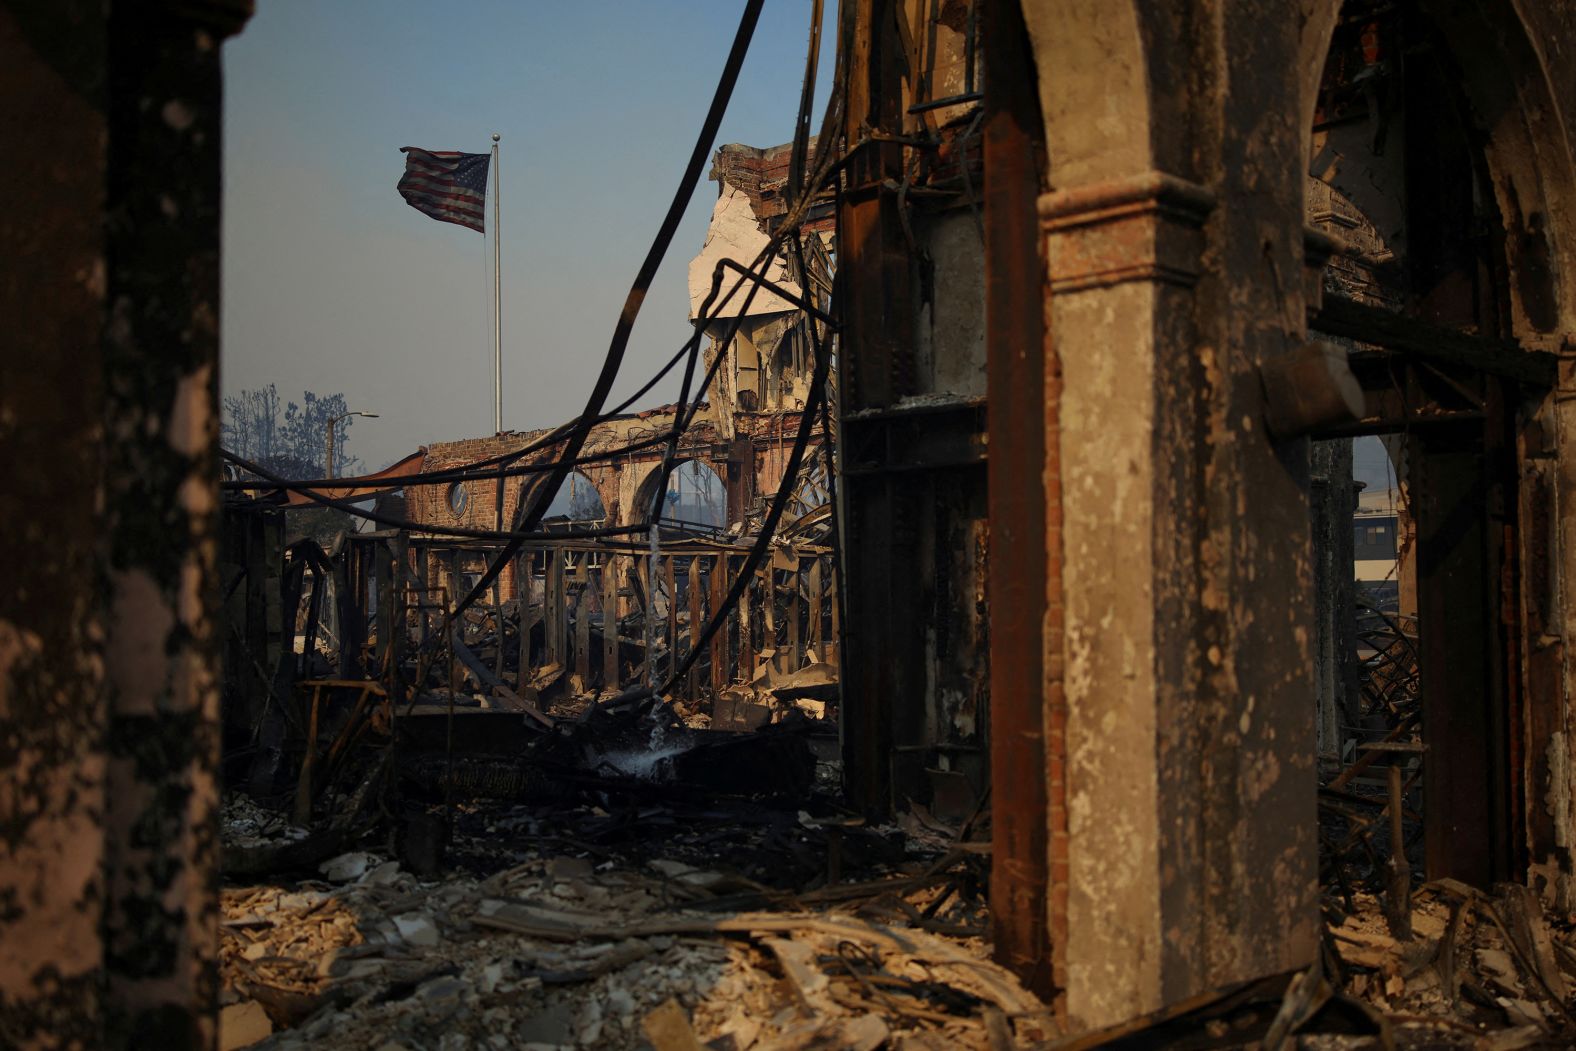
(161, 393)
(52, 711)
(1123, 256)
(108, 666)
(1174, 242)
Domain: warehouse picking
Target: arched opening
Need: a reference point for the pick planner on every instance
(695, 500)
(1416, 508)
(576, 505)
(1420, 153)
(791, 366)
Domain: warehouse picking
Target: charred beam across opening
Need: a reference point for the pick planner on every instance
(1382, 328)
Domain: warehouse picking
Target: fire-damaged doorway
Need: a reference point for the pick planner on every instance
(1431, 680)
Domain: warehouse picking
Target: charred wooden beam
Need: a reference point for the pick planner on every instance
(1338, 316)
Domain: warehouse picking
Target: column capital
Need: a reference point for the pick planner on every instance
(1147, 227)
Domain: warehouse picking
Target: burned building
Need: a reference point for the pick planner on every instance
(1160, 197)
(733, 440)
(701, 473)
(1115, 284)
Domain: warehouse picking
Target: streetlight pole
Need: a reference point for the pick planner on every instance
(328, 457)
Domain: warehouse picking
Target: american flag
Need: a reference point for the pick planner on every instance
(451, 187)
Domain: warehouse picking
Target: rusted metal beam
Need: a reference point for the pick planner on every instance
(747, 632)
(553, 606)
(1540, 645)
(696, 618)
(610, 666)
(817, 606)
(671, 578)
(883, 658)
(1023, 489)
(583, 629)
(795, 653)
(399, 584)
(523, 581)
(1460, 635)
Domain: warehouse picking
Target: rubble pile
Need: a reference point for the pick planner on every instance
(562, 952)
(1474, 971)
(249, 826)
(591, 926)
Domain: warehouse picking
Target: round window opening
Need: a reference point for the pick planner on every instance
(459, 496)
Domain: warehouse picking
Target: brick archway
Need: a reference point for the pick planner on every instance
(604, 478)
(641, 478)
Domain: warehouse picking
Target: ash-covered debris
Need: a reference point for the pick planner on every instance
(1478, 970)
(625, 933)
(617, 880)
(245, 824)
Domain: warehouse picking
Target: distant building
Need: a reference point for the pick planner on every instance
(732, 458)
(1376, 546)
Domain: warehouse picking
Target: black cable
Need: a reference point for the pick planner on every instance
(682, 419)
(578, 429)
(476, 469)
(545, 493)
(823, 361)
(395, 522)
(763, 540)
(473, 471)
(727, 340)
(828, 448)
(801, 127)
(449, 474)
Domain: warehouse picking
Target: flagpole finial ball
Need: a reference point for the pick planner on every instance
(495, 136)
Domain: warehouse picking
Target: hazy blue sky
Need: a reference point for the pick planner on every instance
(333, 283)
(1371, 464)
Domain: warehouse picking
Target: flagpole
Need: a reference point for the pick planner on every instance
(497, 292)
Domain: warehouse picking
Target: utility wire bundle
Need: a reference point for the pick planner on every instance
(573, 435)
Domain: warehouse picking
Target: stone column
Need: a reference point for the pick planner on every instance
(1176, 252)
(161, 351)
(108, 668)
(1123, 256)
(51, 684)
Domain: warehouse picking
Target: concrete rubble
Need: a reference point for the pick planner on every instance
(568, 952)
(1479, 971)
